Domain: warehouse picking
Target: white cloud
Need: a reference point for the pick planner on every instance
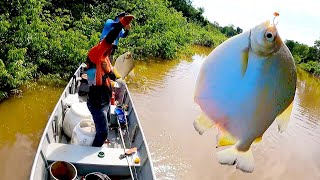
(299, 20)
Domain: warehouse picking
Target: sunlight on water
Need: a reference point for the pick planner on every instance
(168, 162)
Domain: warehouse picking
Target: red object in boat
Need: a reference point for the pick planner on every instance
(113, 98)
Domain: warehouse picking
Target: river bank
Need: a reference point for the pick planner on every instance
(55, 80)
(42, 38)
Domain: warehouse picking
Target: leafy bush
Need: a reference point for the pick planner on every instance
(53, 80)
(308, 58)
(312, 67)
(49, 39)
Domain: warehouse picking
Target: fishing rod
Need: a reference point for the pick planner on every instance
(121, 135)
(124, 150)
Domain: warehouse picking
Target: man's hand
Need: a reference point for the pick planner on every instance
(84, 76)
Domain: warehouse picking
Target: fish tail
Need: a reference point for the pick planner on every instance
(231, 156)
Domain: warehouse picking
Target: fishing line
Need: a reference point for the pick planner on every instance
(276, 14)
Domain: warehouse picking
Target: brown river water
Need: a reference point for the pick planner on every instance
(163, 95)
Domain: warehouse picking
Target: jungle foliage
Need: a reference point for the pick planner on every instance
(50, 38)
(306, 57)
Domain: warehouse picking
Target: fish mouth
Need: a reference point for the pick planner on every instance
(261, 45)
(129, 55)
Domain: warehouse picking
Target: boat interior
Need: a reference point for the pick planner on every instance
(124, 155)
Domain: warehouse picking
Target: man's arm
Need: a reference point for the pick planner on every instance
(105, 46)
(107, 27)
(112, 76)
(124, 33)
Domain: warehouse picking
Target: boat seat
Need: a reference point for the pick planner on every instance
(86, 159)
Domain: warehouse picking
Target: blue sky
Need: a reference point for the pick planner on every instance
(299, 20)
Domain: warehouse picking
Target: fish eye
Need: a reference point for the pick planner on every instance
(269, 36)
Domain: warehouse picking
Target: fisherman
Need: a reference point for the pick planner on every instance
(100, 73)
(123, 33)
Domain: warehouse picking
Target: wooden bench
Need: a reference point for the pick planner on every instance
(86, 159)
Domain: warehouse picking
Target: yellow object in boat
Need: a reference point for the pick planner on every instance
(137, 160)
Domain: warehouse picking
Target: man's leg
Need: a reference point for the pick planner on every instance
(106, 111)
(100, 124)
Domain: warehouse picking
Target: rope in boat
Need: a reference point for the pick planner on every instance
(124, 149)
(122, 139)
(127, 129)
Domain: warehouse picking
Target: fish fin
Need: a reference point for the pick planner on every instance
(225, 139)
(115, 71)
(231, 156)
(257, 140)
(131, 74)
(283, 118)
(245, 59)
(202, 123)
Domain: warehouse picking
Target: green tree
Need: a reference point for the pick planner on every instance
(51, 38)
(306, 57)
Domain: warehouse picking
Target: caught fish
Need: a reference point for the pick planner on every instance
(243, 86)
(123, 65)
